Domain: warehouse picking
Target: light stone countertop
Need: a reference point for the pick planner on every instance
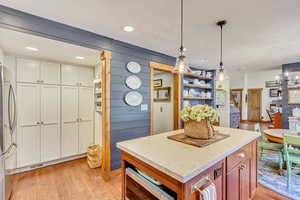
(182, 161)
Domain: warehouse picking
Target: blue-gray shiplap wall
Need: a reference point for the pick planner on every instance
(287, 108)
(129, 122)
(126, 122)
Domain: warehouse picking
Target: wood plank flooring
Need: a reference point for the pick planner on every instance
(74, 180)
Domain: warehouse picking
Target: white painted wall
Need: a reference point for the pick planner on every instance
(163, 119)
(255, 79)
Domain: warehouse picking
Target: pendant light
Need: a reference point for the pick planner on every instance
(221, 73)
(181, 63)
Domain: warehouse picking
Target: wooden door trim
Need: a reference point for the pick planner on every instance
(260, 100)
(176, 93)
(241, 90)
(106, 60)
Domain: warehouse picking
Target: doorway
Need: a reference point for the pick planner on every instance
(254, 104)
(165, 98)
(236, 98)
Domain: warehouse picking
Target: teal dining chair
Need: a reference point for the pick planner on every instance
(292, 154)
(264, 144)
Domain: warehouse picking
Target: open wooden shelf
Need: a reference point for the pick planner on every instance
(196, 86)
(197, 76)
(196, 98)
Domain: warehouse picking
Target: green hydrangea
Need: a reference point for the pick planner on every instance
(198, 113)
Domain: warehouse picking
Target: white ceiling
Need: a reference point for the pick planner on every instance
(13, 42)
(260, 34)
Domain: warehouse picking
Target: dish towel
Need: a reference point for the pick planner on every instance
(209, 193)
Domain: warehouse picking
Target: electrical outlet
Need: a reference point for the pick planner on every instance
(144, 107)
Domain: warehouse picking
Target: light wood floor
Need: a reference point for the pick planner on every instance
(74, 180)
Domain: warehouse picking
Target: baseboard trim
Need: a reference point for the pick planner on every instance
(45, 164)
(108, 175)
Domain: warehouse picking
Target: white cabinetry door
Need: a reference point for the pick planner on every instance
(28, 71)
(69, 75)
(28, 124)
(69, 121)
(86, 76)
(50, 73)
(50, 122)
(86, 136)
(86, 117)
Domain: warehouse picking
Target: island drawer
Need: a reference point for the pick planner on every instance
(238, 156)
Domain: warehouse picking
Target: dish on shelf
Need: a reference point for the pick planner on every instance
(133, 98)
(133, 67)
(133, 82)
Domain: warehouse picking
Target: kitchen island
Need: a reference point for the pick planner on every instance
(175, 170)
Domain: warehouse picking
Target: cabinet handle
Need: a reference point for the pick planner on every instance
(37, 123)
(241, 155)
(242, 166)
(42, 122)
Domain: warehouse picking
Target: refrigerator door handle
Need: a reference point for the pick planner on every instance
(6, 153)
(12, 124)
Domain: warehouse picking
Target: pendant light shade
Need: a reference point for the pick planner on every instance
(221, 72)
(181, 62)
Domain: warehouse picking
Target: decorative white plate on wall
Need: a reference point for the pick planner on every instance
(133, 67)
(133, 82)
(133, 98)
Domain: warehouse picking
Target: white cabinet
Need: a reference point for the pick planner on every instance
(69, 121)
(32, 71)
(86, 135)
(28, 138)
(69, 75)
(77, 76)
(50, 122)
(77, 119)
(86, 76)
(28, 71)
(86, 117)
(38, 123)
(50, 73)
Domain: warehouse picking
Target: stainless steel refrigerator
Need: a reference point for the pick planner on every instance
(8, 124)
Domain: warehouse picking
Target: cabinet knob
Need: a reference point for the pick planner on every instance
(242, 166)
(37, 123)
(241, 155)
(42, 122)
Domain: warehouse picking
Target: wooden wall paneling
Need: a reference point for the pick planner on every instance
(106, 59)
(177, 100)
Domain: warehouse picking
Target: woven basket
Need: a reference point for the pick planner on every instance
(94, 156)
(199, 130)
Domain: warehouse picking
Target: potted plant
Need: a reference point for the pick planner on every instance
(198, 121)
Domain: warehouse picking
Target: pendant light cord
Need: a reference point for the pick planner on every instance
(181, 27)
(221, 53)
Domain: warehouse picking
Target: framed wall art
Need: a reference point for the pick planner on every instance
(294, 96)
(157, 83)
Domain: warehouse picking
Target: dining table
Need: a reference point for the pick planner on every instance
(276, 135)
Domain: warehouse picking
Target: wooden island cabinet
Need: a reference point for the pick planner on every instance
(232, 169)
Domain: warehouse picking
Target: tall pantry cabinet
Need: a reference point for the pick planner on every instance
(49, 121)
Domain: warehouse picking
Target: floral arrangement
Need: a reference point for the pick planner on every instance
(199, 112)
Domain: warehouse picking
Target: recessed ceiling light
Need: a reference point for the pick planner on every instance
(79, 57)
(31, 48)
(128, 28)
